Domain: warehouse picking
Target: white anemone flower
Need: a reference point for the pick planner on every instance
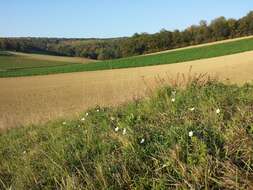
(218, 111)
(87, 114)
(98, 110)
(124, 131)
(164, 165)
(173, 99)
(190, 133)
(116, 129)
(64, 123)
(83, 119)
(192, 109)
(142, 141)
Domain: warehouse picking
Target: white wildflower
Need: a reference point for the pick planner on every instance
(64, 123)
(83, 119)
(192, 109)
(124, 131)
(142, 141)
(190, 133)
(218, 111)
(98, 110)
(116, 129)
(173, 99)
(87, 114)
(24, 152)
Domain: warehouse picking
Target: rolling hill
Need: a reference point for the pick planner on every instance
(181, 55)
(199, 137)
(16, 62)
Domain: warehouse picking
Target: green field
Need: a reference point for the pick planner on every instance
(15, 63)
(202, 140)
(164, 58)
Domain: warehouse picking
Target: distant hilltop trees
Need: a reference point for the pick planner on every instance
(102, 49)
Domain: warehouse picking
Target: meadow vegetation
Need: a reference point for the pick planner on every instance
(197, 137)
(182, 55)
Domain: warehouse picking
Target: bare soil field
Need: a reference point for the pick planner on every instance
(38, 99)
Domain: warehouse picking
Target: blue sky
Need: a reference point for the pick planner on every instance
(109, 18)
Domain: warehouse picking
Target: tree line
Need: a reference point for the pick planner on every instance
(102, 49)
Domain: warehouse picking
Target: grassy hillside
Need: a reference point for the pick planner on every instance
(197, 138)
(53, 58)
(14, 63)
(165, 58)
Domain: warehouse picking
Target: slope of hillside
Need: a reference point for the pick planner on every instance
(54, 58)
(200, 137)
(183, 55)
(15, 62)
(37, 99)
(202, 45)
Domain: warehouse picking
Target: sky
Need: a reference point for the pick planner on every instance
(109, 18)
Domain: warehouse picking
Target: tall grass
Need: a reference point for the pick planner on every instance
(198, 137)
(140, 61)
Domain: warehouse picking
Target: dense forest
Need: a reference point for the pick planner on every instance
(218, 29)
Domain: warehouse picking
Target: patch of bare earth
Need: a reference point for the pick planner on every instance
(37, 99)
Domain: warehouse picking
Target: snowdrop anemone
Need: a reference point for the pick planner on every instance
(116, 129)
(142, 141)
(164, 165)
(83, 119)
(218, 111)
(190, 133)
(124, 131)
(64, 123)
(173, 99)
(97, 110)
(192, 109)
(87, 114)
